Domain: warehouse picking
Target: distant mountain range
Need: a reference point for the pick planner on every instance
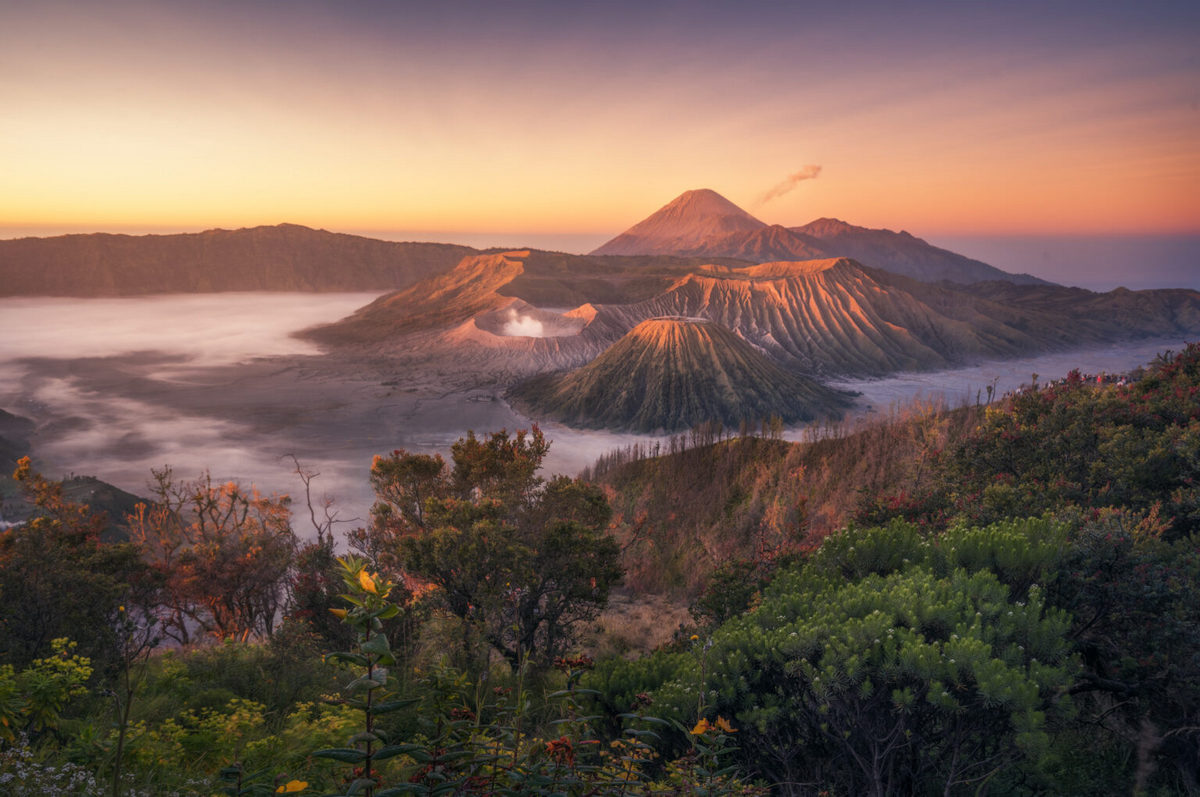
(286, 257)
(769, 310)
(704, 223)
(696, 228)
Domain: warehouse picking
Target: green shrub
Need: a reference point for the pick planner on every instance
(904, 683)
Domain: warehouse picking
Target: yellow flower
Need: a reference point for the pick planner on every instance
(368, 583)
(338, 613)
(723, 724)
(695, 637)
(702, 727)
(292, 786)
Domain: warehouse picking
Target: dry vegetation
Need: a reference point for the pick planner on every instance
(682, 514)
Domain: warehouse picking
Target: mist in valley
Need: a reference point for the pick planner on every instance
(117, 387)
(215, 382)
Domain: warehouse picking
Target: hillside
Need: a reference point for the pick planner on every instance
(285, 257)
(672, 373)
(763, 245)
(1068, 445)
(466, 290)
(836, 317)
(14, 440)
(831, 317)
(902, 253)
(1165, 311)
(556, 279)
(699, 504)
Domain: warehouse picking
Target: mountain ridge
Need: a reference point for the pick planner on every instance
(704, 223)
(264, 258)
(905, 254)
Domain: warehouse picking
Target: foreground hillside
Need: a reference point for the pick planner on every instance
(1075, 505)
(1000, 599)
(1071, 444)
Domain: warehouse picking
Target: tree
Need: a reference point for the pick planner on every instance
(57, 578)
(1136, 601)
(223, 553)
(315, 584)
(521, 561)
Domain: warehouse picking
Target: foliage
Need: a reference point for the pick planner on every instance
(136, 639)
(223, 554)
(959, 645)
(892, 684)
(315, 583)
(1136, 601)
(314, 589)
(21, 772)
(731, 589)
(684, 510)
(519, 561)
(32, 700)
(1020, 553)
(368, 691)
(1074, 444)
(57, 579)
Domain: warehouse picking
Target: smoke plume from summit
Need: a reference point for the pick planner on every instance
(809, 172)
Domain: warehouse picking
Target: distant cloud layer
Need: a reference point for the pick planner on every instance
(809, 172)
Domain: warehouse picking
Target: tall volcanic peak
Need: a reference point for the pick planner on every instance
(686, 223)
(705, 224)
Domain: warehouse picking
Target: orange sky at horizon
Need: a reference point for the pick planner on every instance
(163, 116)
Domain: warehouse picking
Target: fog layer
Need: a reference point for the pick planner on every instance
(119, 386)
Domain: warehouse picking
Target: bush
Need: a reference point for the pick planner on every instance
(898, 683)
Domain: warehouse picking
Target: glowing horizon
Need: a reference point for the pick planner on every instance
(560, 120)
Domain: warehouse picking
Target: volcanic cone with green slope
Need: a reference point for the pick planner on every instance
(674, 373)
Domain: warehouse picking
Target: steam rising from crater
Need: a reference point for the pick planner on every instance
(522, 325)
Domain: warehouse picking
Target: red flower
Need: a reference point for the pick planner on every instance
(561, 750)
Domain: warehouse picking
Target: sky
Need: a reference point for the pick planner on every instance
(570, 121)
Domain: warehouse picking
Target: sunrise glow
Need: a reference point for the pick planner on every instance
(550, 118)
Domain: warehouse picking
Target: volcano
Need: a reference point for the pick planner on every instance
(703, 223)
(675, 373)
(688, 223)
